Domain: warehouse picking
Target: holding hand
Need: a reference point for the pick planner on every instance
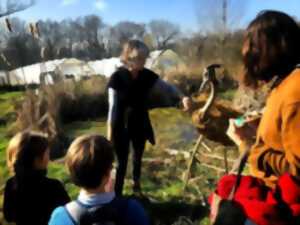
(187, 103)
(243, 131)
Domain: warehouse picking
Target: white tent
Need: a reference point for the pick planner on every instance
(158, 61)
(3, 78)
(105, 67)
(31, 74)
(164, 60)
(75, 67)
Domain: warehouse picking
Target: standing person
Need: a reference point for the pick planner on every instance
(29, 196)
(129, 89)
(271, 51)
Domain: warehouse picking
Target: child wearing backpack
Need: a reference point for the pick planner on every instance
(29, 196)
(89, 161)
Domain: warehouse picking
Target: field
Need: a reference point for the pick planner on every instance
(163, 168)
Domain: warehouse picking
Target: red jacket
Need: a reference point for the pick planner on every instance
(262, 205)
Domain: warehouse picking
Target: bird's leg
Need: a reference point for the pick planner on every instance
(187, 175)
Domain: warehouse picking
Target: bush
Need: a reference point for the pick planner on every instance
(46, 108)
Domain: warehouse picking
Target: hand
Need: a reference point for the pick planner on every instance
(244, 134)
(233, 134)
(187, 103)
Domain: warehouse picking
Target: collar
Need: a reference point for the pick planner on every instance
(95, 199)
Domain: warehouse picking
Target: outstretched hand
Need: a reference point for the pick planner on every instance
(187, 103)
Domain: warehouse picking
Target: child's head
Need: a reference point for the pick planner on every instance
(134, 55)
(89, 161)
(271, 47)
(28, 151)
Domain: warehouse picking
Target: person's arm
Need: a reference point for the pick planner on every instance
(112, 111)
(275, 162)
(164, 94)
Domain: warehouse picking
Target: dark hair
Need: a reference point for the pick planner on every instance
(271, 47)
(23, 149)
(89, 159)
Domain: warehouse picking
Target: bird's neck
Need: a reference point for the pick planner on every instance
(210, 99)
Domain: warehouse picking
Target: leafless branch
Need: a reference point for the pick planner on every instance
(13, 6)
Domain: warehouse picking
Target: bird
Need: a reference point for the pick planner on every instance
(211, 115)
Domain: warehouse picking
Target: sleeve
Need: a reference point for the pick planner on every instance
(114, 81)
(59, 216)
(163, 94)
(276, 162)
(8, 204)
(136, 214)
(112, 111)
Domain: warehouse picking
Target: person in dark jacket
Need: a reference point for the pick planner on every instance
(29, 196)
(129, 90)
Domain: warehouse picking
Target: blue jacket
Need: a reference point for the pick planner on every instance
(134, 214)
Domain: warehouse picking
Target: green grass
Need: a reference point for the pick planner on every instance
(161, 177)
(161, 182)
(6, 99)
(85, 127)
(6, 107)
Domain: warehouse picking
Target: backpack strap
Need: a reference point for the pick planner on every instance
(241, 165)
(76, 211)
(111, 211)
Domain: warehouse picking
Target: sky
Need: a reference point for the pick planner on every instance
(183, 12)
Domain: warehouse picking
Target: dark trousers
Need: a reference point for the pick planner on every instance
(122, 152)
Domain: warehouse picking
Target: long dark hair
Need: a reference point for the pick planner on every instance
(271, 47)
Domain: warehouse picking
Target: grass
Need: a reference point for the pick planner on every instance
(162, 173)
(6, 108)
(6, 99)
(161, 181)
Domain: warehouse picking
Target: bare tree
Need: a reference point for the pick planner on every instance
(115, 36)
(124, 31)
(9, 7)
(93, 24)
(219, 18)
(163, 32)
(219, 15)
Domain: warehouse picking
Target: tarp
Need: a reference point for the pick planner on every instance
(164, 61)
(160, 61)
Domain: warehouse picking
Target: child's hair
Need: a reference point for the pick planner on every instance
(23, 149)
(134, 49)
(89, 160)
